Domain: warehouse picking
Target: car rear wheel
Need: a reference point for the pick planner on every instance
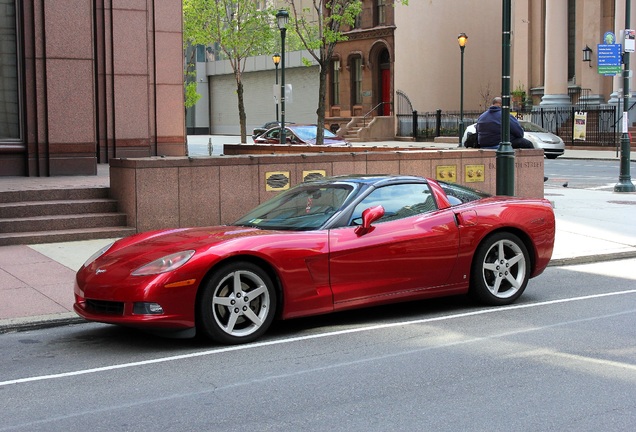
(238, 304)
(501, 269)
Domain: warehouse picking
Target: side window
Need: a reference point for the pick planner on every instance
(399, 201)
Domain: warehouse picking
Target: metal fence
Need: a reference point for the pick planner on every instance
(601, 126)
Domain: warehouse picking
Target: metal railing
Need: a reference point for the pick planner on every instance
(364, 118)
(601, 125)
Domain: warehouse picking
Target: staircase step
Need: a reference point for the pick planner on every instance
(53, 194)
(56, 207)
(33, 216)
(8, 239)
(61, 222)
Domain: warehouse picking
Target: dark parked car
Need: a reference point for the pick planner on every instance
(260, 130)
(300, 134)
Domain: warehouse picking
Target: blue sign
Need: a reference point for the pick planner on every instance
(610, 59)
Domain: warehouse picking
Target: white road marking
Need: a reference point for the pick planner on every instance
(308, 337)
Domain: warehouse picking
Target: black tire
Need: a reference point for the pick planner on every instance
(551, 156)
(500, 270)
(237, 305)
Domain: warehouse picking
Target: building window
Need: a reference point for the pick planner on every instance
(335, 82)
(356, 80)
(357, 22)
(9, 77)
(380, 12)
(201, 54)
(572, 53)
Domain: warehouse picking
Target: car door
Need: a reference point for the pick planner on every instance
(413, 247)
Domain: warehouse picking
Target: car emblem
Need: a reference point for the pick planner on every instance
(98, 271)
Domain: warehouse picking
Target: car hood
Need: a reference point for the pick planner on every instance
(138, 250)
(545, 137)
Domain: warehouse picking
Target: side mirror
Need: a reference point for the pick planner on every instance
(369, 216)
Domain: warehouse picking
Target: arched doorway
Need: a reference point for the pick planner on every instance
(383, 77)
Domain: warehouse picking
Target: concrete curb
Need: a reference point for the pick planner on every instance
(588, 259)
(39, 322)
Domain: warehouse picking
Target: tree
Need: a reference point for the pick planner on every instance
(237, 27)
(321, 34)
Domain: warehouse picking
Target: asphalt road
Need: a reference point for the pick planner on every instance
(584, 174)
(561, 359)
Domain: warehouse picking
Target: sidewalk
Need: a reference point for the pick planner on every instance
(36, 281)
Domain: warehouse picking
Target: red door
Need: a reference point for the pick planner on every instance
(398, 258)
(385, 91)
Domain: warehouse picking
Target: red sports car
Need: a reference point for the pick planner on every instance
(326, 245)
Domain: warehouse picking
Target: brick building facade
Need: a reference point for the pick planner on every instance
(86, 80)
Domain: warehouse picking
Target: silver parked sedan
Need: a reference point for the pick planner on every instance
(552, 145)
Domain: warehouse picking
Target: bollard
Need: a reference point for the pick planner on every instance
(438, 122)
(414, 128)
(210, 147)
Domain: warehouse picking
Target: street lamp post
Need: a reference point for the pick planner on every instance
(624, 178)
(505, 158)
(282, 17)
(462, 39)
(276, 60)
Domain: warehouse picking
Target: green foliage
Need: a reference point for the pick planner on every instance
(191, 95)
(237, 27)
(519, 91)
(321, 30)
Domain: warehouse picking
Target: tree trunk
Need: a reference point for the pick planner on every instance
(322, 95)
(241, 109)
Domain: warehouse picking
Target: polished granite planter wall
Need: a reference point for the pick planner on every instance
(164, 192)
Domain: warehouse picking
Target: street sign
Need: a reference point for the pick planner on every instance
(609, 59)
(289, 94)
(630, 40)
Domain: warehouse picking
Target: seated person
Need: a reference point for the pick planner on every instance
(489, 129)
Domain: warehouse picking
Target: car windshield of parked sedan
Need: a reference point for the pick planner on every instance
(309, 132)
(532, 127)
(303, 208)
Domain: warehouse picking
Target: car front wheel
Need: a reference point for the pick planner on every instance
(238, 304)
(500, 271)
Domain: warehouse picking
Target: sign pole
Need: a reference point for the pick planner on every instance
(624, 179)
(505, 158)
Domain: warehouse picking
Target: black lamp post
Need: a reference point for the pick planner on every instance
(282, 16)
(462, 39)
(505, 158)
(624, 178)
(276, 60)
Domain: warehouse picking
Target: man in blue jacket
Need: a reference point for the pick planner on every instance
(489, 129)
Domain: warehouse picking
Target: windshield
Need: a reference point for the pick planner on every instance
(309, 132)
(531, 127)
(304, 207)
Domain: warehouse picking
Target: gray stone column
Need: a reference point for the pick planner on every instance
(556, 54)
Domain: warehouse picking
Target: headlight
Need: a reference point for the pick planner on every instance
(164, 264)
(97, 254)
